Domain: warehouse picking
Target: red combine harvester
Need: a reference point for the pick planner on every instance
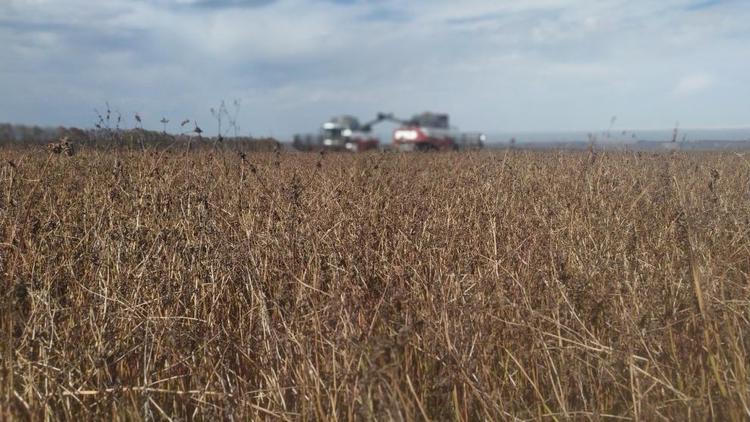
(432, 131)
(423, 132)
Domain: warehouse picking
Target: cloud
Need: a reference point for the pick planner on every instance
(705, 4)
(500, 64)
(693, 84)
(220, 4)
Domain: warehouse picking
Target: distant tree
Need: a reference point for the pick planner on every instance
(6, 133)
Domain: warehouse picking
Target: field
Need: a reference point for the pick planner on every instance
(443, 286)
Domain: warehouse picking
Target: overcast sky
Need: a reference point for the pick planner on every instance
(495, 65)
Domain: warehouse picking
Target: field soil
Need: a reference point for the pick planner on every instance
(162, 284)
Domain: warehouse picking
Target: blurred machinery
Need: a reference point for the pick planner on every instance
(423, 132)
(341, 133)
(432, 131)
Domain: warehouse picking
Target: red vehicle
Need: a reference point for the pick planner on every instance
(432, 131)
(423, 132)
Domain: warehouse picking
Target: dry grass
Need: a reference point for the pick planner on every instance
(389, 287)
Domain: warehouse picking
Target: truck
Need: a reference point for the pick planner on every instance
(341, 133)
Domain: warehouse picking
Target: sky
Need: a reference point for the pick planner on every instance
(494, 65)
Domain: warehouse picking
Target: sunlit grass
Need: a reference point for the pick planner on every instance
(446, 286)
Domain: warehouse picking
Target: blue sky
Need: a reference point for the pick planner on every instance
(494, 65)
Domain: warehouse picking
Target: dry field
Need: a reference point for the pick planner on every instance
(163, 285)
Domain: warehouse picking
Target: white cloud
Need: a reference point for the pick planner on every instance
(693, 84)
(546, 64)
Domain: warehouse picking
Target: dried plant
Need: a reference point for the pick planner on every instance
(63, 146)
(223, 285)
